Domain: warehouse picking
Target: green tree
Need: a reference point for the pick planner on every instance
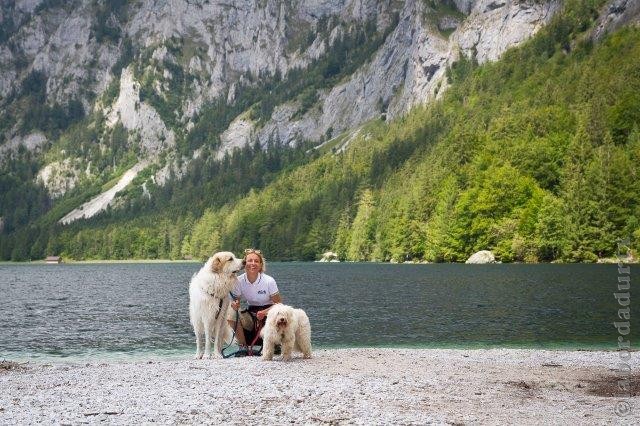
(205, 237)
(343, 236)
(362, 229)
(438, 238)
(551, 229)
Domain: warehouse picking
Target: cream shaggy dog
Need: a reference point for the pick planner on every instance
(288, 327)
(209, 299)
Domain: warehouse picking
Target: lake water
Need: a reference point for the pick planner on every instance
(116, 310)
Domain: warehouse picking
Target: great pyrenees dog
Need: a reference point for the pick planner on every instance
(209, 299)
(289, 328)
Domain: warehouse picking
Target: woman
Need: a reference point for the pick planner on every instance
(258, 289)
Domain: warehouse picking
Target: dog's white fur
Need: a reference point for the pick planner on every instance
(289, 328)
(208, 286)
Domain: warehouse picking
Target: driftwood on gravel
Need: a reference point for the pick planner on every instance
(11, 365)
(108, 413)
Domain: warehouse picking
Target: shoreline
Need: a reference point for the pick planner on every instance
(337, 386)
(35, 359)
(603, 261)
(100, 261)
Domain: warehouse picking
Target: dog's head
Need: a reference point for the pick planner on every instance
(226, 263)
(280, 316)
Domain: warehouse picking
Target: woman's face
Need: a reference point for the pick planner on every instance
(253, 263)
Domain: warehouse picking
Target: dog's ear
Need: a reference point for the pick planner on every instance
(216, 265)
(271, 320)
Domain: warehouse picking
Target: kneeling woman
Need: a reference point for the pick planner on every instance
(258, 289)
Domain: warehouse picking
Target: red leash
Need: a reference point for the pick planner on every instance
(255, 339)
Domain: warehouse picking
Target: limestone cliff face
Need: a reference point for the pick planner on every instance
(616, 14)
(410, 67)
(229, 39)
(496, 25)
(139, 118)
(56, 41)
(217, 44)
(242, 36)
(83, 47)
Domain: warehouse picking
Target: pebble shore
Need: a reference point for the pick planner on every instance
(336, 386)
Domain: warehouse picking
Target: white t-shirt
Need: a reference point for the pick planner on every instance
(258, 293)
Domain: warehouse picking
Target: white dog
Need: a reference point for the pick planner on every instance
(209, 299)
(288, 327)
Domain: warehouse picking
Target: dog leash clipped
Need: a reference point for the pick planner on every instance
(249, 350)
(255, 339)
(233, 335)
(219, 308)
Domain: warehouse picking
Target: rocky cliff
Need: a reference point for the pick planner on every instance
(154, 67)
(410, 66)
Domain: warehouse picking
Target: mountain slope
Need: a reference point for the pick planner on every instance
(500, 162)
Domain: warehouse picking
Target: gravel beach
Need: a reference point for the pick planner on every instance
(337, 386)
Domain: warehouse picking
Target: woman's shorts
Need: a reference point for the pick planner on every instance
(247, 317)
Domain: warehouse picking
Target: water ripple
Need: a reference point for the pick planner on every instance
(85, 310)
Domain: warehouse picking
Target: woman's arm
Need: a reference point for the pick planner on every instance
(235, 304)
(275, 298)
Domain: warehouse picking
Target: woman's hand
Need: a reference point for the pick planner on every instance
(235, 305)
(261, 314)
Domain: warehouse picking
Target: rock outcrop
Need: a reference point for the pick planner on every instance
(482, 257)
(618, 13)
(232, 39)
(238, 134)
(329, 257)
(139, 117)
(60, 176)
(31, 142)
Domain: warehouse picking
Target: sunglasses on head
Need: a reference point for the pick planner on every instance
(250, 250)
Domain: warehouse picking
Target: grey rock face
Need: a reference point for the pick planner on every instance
(60, 176)
(237, 135)
(410, 67)
(361, 97)
(241, 37)
(618, 13)
(464, 6)
(494, 26)
(234, 38)
(139, 118)
(448, 23)
(244, 37)
(31, 142)
(56, 41)
(27, 6)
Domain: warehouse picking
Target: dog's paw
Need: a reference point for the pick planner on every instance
(198, 356)
(214, 356)
(286, 357)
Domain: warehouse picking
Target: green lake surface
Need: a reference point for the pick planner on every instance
(136, 309)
